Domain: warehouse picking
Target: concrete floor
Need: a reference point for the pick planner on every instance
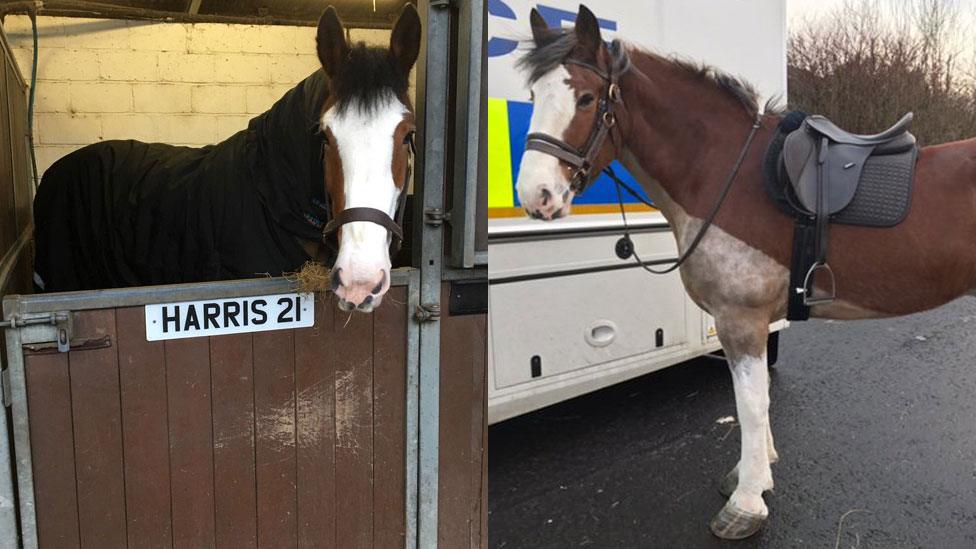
(873, 419)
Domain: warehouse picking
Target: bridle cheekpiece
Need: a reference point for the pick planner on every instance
(581, 160)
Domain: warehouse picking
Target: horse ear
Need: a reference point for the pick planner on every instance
(588, 29)
(330, 41)
(540, 30)
(405, 40)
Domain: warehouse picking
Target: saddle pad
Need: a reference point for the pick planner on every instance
(883, 194)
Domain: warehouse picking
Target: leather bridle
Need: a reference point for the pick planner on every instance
(582, 159)
(374, 215)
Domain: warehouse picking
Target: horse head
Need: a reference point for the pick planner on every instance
(574, 131)
(368, 126)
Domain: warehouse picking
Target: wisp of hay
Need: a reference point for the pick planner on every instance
(312, 277)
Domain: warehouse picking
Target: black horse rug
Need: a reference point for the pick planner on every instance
(126, 213)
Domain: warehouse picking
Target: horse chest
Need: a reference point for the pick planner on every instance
(725, 272)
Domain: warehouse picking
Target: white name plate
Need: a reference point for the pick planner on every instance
(229, 316)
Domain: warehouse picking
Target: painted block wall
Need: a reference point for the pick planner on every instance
(178, 83)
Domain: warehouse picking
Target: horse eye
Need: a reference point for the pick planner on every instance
(584, 101)
(407, 139)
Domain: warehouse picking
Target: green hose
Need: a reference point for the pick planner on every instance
(30, 102)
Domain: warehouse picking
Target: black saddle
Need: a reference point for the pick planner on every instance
(820, 174)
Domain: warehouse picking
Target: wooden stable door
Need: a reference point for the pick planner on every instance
(274, 439)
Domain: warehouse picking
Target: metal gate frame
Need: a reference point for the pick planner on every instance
(45, 318)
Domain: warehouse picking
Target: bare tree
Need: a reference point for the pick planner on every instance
(867, 63)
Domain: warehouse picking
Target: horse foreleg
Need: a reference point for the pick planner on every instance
(745, 347)
(731, 480)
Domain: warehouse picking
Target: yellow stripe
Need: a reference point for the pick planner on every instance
(500, 193)
(498, 213)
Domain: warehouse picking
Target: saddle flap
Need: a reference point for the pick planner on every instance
(843, 165)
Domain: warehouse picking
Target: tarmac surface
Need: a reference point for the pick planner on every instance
(875, 423)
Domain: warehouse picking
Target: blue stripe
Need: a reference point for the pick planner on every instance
(603, 191)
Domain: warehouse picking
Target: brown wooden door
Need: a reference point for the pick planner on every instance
(274, 439)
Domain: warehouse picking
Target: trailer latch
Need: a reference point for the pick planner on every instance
(60, 320)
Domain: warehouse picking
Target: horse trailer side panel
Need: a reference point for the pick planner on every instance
(462, 411)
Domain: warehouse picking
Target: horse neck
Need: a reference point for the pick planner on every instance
(682, 131)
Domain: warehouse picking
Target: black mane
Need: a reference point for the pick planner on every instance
(540, 60)
(368, 77)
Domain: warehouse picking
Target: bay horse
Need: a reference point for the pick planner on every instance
(679, 128)
(327, 166)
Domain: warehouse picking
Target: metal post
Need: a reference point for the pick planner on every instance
(18, 398)
(435, 78)
(8, 514)
(412, 411)
(468, 136)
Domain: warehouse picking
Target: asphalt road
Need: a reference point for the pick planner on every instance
(875, 420)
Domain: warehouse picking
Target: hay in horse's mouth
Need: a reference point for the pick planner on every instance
(312, 277)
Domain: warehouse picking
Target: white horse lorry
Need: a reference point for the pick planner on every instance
(567, 315)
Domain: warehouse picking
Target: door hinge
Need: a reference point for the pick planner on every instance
(436, 217)
(441, 3)
(428, 312)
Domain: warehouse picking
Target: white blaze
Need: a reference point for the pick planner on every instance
(365, 143)
(554, 106)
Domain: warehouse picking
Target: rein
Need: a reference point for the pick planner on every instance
(626, 244)
(582, 161)
(394, 225)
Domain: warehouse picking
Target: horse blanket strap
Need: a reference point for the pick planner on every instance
(582, 159)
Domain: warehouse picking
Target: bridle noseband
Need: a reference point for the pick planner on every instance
(582, 159)
(375, 215)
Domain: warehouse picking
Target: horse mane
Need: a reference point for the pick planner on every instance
(368, 78)
(542, 59)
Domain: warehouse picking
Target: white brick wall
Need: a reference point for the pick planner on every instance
(158, 82)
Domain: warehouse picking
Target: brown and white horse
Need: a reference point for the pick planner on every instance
(679, 130)
(368, 123)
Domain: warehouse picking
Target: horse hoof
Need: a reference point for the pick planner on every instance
(732, 523)
(729, 483)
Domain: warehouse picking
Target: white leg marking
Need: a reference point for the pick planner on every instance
(751, 381)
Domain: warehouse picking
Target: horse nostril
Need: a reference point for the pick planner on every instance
(546, 196)
(335, 280)
(378, 288)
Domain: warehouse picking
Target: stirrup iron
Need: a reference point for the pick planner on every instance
(808, 298)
